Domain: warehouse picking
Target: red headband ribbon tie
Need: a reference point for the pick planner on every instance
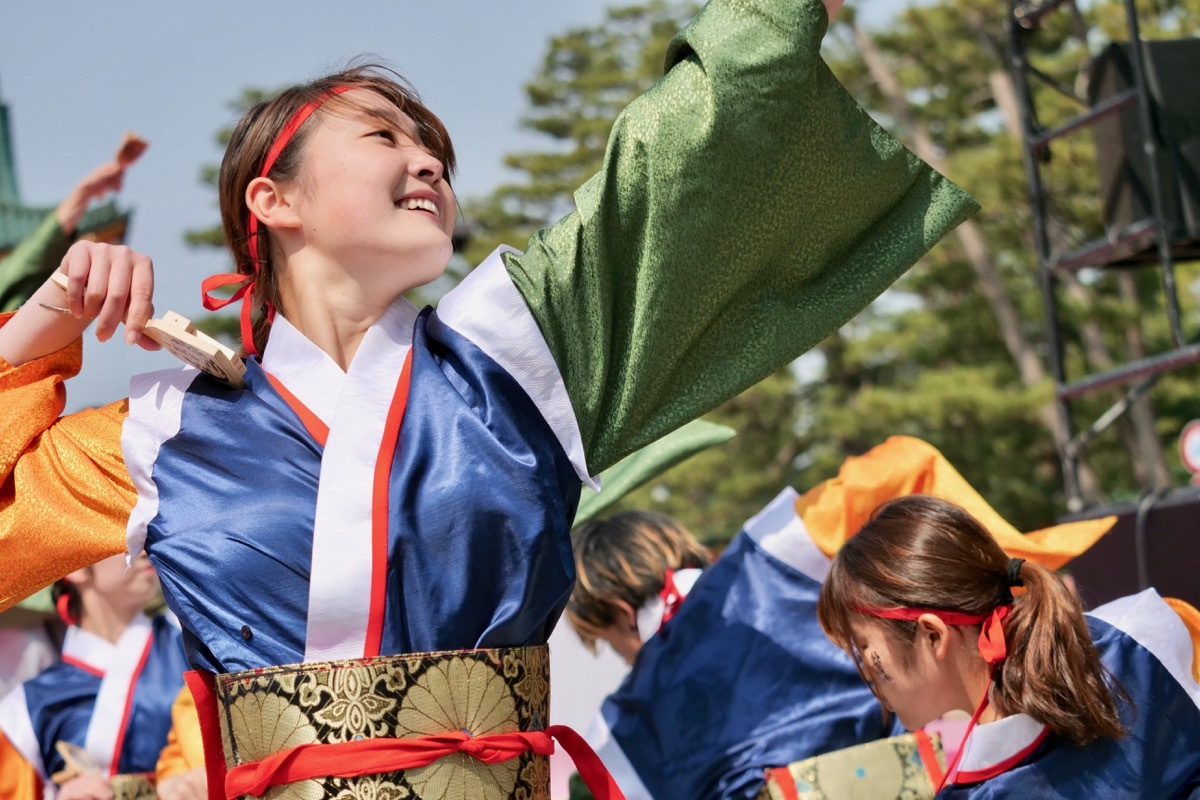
(991, 636)
(246, 280)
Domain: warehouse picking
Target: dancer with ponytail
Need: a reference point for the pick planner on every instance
(107, 704)
(391, 481)
(730, 677)
(1063, 704)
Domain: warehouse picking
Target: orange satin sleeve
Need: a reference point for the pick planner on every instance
(65, 495)
(834, 510)
(185, 750)
(18, 779)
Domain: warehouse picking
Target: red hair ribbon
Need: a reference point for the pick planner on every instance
(63, 606)
(245, 281)
(670, 596)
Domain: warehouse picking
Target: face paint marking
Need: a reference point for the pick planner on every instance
(877, 665)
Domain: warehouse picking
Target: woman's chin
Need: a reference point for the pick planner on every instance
(910, 722)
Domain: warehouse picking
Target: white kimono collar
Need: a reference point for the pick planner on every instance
(997, 747)
(309, 373)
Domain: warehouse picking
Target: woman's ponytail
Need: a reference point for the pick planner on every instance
(1053, 671)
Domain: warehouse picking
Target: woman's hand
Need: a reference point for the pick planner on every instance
(105, 283)
(109, 283)
(85, 787)
(191, 785)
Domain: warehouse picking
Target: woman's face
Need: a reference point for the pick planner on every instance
(371, 198)
(124, 588)
(908, 678)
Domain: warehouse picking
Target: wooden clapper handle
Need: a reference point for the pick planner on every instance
(178, 335)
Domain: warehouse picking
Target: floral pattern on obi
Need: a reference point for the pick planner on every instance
(888, 769)
(424, 694)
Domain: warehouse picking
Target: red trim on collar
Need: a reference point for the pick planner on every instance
(379, 511)
(979, 775)
(83, 665)
(317, 429)
(137, 673)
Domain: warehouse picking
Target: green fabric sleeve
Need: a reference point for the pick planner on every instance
(747, 208)
(29, 264)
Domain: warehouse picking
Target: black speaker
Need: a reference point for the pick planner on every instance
(1172, 76)
(1164, 546)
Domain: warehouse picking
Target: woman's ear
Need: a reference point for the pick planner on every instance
(80, 578)
(933, 633)
(272, 204)
(624, 615)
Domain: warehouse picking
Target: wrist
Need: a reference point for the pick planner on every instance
(35, 331)
(69, 212)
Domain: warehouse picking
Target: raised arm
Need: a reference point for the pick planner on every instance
(747, 209)
(65, 495)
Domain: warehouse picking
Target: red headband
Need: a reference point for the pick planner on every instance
(991, 636)
(245, 282)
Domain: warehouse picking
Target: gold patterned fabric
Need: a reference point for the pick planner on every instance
(481, 692)
(888, 769)
(133, 787)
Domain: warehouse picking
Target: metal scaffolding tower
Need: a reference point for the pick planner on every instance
(1149, 240)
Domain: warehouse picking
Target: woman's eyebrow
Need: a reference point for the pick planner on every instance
(392, 118)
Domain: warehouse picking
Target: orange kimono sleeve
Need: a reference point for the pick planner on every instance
(65, 495)
(833, 511)
(185, 750)
(18, 779)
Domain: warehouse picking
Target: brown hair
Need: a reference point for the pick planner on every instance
(923, 552)
(625, 557)
(257, 131)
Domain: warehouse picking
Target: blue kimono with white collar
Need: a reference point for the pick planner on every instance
(1148, 650)
(109, 699)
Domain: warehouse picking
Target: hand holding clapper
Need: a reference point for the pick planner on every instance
(178, 335)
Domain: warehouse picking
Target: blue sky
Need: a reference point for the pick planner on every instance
(76, 76)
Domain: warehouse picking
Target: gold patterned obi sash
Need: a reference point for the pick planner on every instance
(906, 767)
(425, 726)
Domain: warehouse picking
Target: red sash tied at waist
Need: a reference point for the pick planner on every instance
(364, 757)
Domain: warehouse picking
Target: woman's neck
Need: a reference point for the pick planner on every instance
(332, 310)
(106, 621)
(976, 681)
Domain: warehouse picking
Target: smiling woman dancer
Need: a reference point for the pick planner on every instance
(394, 481)
(1066, 705)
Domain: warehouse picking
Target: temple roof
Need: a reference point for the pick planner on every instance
(8, 175)
(104, 222)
